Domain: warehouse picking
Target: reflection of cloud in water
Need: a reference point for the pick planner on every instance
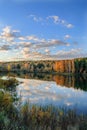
(69, 103)
(47, 92)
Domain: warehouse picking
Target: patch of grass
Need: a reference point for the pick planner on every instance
(40, 118)
(8, 84)
(51, 118)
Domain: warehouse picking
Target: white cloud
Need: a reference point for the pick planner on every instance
(67, 36)
(34, 38)
(73, 53)
(56, 20)
(26, 49)
(69, 25)
(25, 52)
(35, 42)
(47, 51)
(50, 43)
(7, 29)
(5, 48)
(35, 18)
(22, 38)
(8, 34)
(35, 48)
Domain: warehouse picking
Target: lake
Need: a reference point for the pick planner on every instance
(57, 90)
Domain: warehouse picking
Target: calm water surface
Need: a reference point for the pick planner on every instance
(62, 91)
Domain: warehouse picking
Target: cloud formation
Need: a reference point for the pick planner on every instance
(67, 36)
(31, 47)
(35, 18)
(50, 43)
(52, 18)
(9, 35)
(55, 19)
(73, 53)
(5, 48)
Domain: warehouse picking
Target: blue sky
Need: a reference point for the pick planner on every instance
(43, 29)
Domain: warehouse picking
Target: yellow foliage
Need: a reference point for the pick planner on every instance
(8, 67)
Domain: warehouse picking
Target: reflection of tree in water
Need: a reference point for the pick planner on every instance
(67, 81)
(60, 80)
(77, 81)
(81, 82)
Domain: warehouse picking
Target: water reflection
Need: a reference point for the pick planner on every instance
(58, 90)
(77, 81)
(48, 92)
